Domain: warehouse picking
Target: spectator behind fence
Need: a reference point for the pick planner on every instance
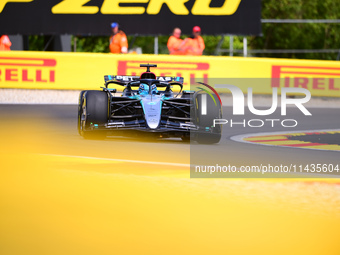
(194, 45)
(118, 41)
(175, 43)
(5, 43)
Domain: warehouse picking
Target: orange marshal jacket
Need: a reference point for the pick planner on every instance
(118, 43)
(5, 43)
(174, 44)
(194, 46)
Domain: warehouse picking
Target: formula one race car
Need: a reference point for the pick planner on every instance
(148, 105)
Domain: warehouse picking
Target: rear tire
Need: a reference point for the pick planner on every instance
(208, 134)
(94, 110)
(80, 110)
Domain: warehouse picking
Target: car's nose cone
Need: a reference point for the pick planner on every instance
(152, 109)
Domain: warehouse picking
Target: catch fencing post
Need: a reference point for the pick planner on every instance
(245, 45)
(156, 45)
(231, 46)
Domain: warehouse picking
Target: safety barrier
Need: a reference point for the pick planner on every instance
(77, 71)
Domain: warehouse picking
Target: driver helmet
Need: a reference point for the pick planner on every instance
(143, 89)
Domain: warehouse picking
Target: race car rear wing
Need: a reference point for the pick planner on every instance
(128, 78)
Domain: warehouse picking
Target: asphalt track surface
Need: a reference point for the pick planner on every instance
(61, 120)
(62, 194)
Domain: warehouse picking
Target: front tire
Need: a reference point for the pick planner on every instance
(94, 111)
